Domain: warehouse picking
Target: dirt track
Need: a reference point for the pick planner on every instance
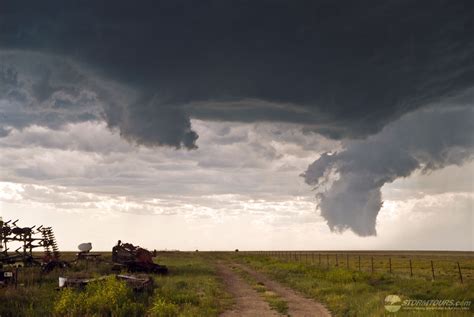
(249, 303)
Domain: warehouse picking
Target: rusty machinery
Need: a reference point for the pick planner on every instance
(136, 259)
(29, 239)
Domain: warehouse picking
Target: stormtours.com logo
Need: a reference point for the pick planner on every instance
(394, 303)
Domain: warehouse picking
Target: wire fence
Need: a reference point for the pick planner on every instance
(426, 265)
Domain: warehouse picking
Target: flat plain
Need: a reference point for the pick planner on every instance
(263, 283)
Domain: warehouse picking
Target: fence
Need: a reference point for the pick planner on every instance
(429, 266)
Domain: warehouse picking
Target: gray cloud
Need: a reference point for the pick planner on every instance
(252, 159)
(349, 182)
(52, 91)
(151, 123)
(44, 90)
(342, 69)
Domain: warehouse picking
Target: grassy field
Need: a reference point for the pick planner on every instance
(190, 289)
(350, 292)
(401, 263)
(193, 288)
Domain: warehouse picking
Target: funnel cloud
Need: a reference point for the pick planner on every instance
(348, 183)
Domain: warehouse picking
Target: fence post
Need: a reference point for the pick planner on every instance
(411, 269)
(372, 263)
(390, 265)
(327, 259)
(319, 255)
(347, 261)
(460, 274)
(432, 270)
(312, 258)
(337, 261)
(359, 263)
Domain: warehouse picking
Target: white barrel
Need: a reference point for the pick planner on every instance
(62, 281)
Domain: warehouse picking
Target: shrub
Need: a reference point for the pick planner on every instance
(109, 297)
(163, 308)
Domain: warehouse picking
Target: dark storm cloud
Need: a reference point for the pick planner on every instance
(50, 90)
(36, 90)
(349, 182)
(342, 68)
(148, 122)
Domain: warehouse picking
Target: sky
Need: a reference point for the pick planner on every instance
(254, 125)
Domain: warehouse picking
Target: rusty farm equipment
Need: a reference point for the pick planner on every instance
(27, 239)
(136, 259)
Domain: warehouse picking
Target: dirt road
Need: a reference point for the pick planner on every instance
(249, 303)
(298, 304)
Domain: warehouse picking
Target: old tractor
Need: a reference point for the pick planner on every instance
(136, 259)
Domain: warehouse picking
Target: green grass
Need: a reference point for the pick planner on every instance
(190, 289)
(27, 301)
(109, 297)
(444, 262)
(193, 289)
(276, 302)
(34, 295)
(353, 293)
